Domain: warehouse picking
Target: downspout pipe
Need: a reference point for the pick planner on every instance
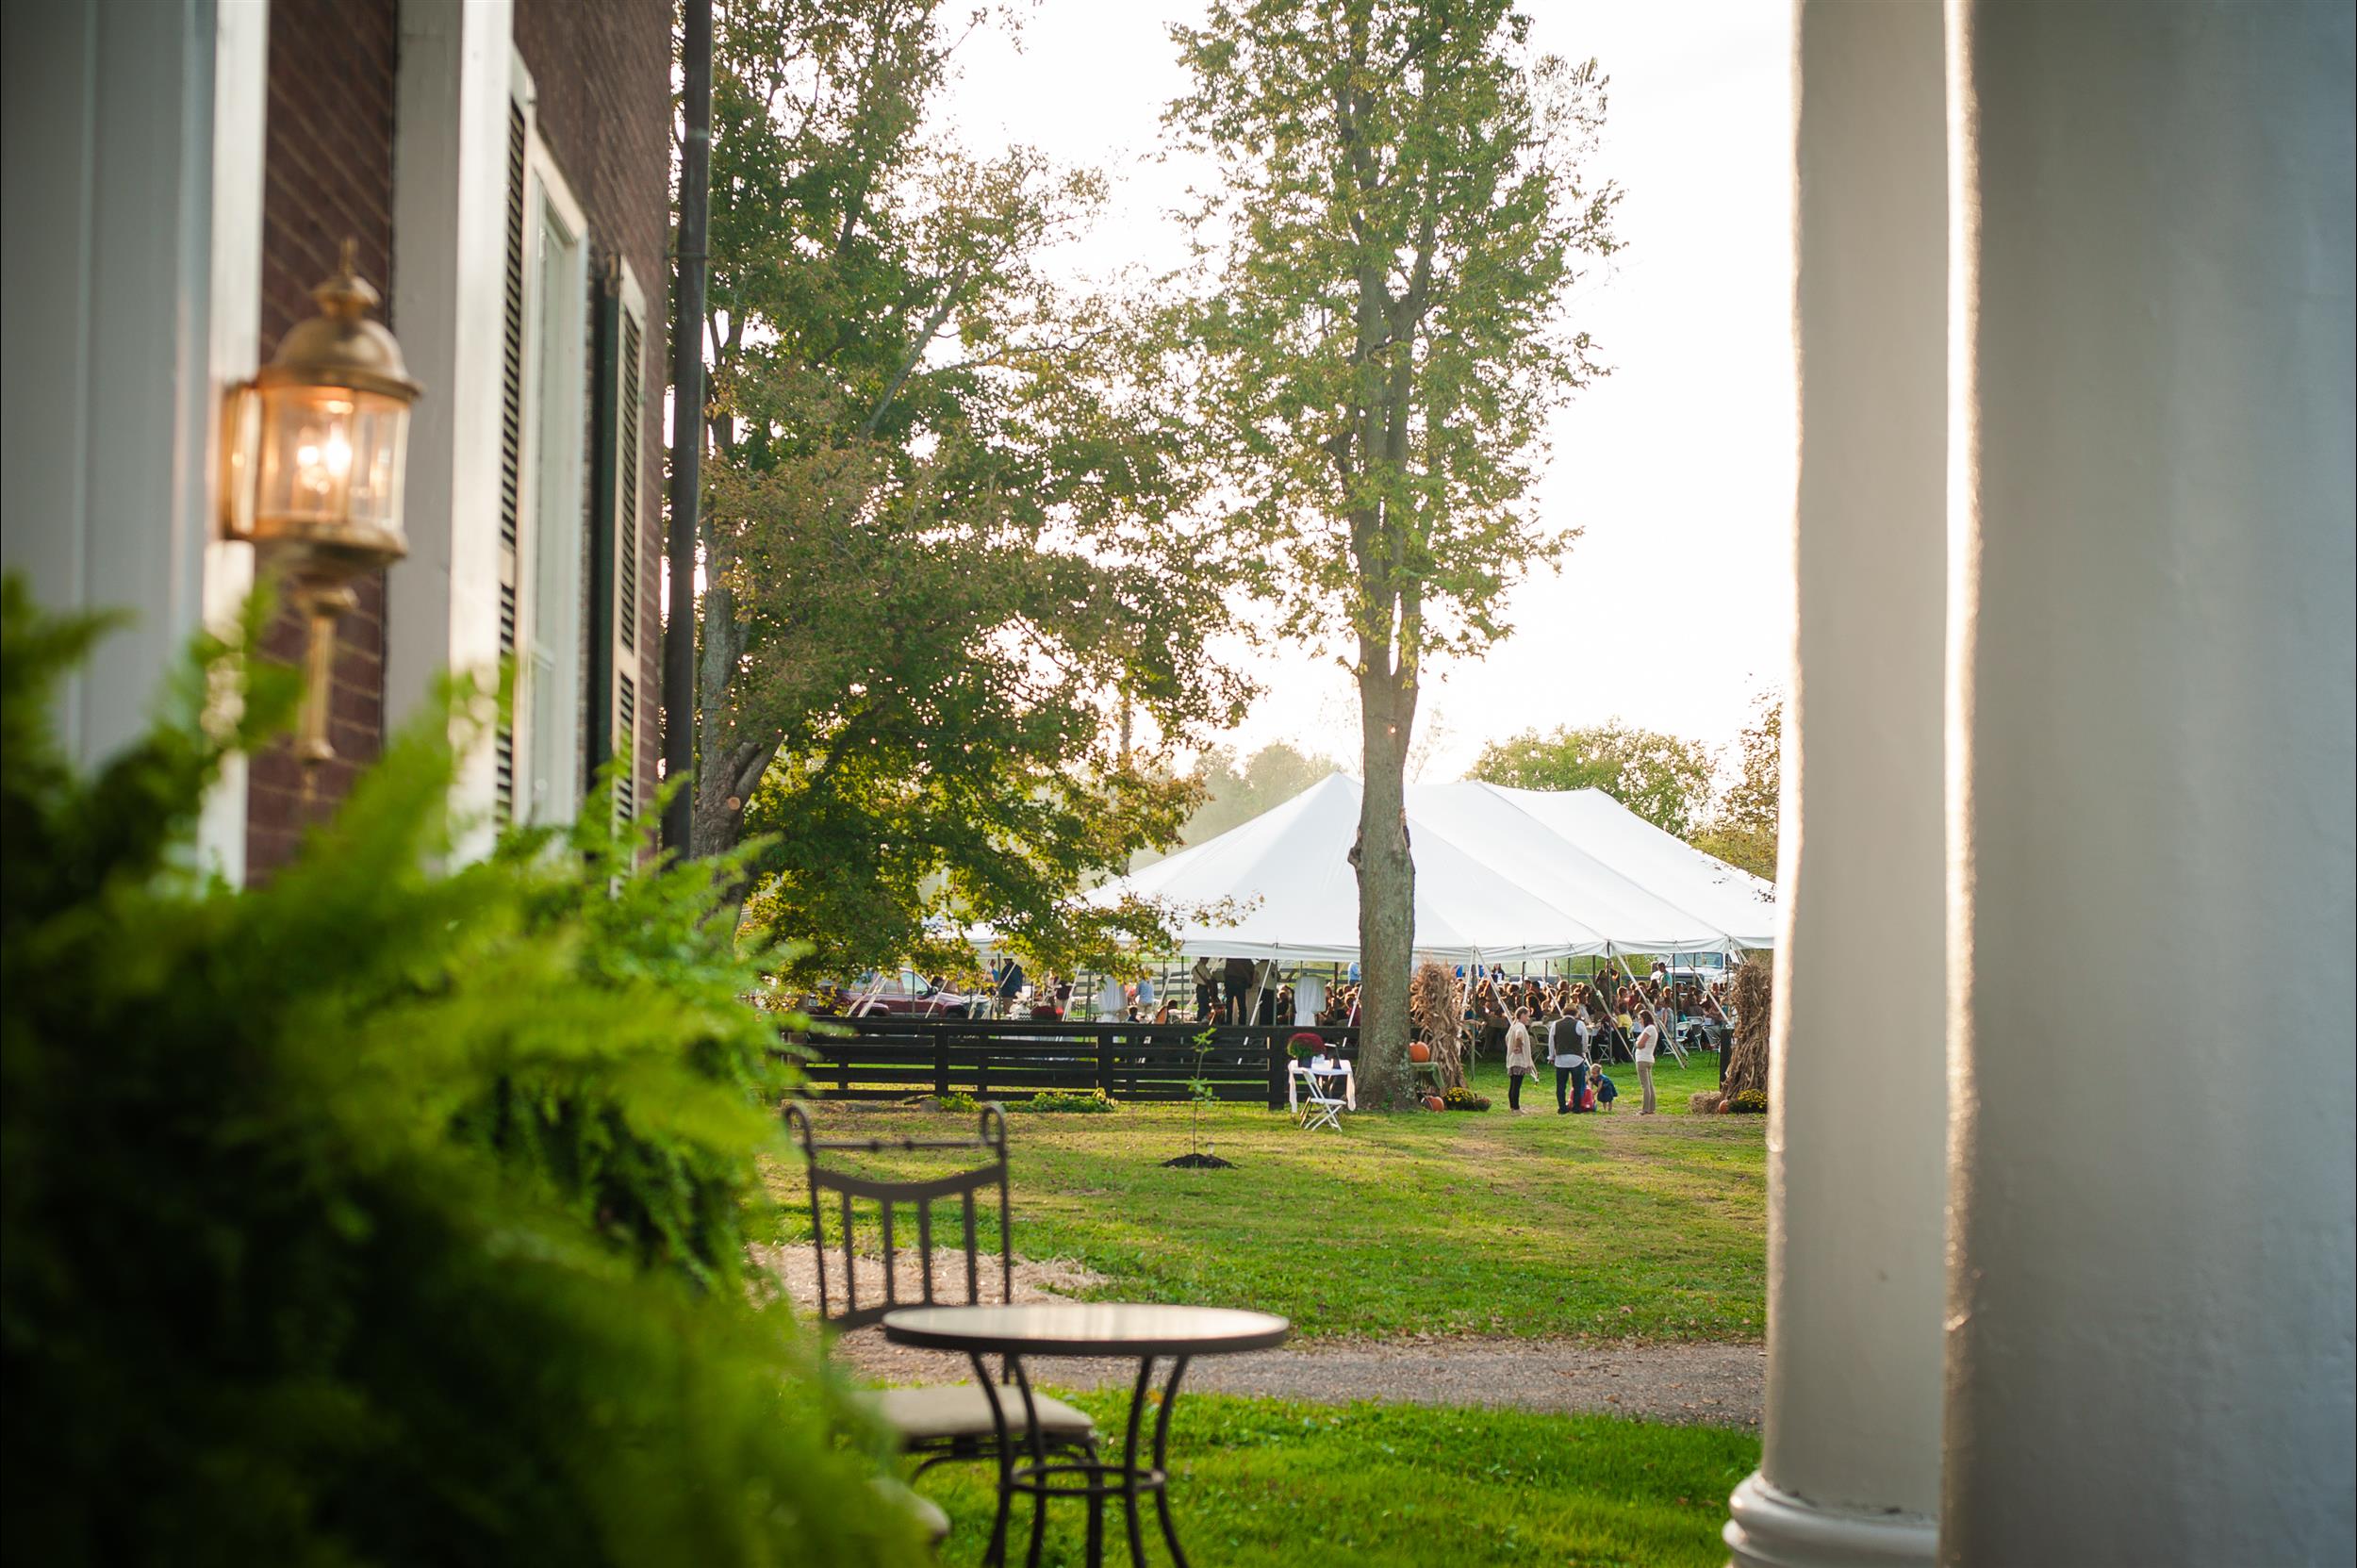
(687, 425)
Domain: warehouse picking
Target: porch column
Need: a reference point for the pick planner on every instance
(457, 80)
(131, 251)
(1858, 1105)
(2149, 1356)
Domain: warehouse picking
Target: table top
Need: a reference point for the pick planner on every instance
(1086, 1328)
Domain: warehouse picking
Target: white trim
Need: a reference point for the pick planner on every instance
(551, 532)
(450, 179)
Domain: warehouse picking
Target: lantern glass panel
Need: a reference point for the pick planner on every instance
(331, 457)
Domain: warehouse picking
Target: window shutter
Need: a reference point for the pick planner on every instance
(626, 511)
(511, 448)
(626, 741)
(619, 560)
(503, 745)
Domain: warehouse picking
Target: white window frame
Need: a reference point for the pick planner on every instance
(552, 530)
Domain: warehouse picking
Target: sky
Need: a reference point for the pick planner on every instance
(1674, 609)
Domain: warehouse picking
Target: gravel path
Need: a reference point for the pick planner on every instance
(1716, 1385)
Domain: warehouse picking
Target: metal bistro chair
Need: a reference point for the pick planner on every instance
(939, 1422)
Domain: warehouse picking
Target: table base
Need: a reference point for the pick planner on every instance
(1095, 1480)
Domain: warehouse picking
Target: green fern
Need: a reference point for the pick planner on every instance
(382, 1215)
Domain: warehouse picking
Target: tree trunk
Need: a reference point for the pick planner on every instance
(1387, 885)
(719, 816)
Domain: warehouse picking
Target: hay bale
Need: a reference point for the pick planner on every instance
(1753, 992)
(1704, 1105)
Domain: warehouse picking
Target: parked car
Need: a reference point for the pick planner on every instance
(906, 993)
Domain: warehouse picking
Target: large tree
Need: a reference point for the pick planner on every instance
(1400, 211)
(1743, 830)
(1662, 778)
(938, 516)
(1236, 790)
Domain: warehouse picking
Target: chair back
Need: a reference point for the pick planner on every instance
(848, 1184)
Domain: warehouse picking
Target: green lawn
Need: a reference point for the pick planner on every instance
(1599, 1228)
(1263, 1481)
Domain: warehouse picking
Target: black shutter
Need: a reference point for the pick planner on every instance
(511, 448)
(617, 475)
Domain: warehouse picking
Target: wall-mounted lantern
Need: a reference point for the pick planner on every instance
(317, 445)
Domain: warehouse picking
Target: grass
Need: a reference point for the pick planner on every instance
(1592, 1227)
(1265, 1481)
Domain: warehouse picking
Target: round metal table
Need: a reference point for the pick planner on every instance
(1086, 1328)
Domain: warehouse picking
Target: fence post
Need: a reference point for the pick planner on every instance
(1277, 1062)
(941, 1062)
(981, 1071)
(1105, 1065)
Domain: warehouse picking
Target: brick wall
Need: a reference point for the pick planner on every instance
(604, 77)
(327, 175)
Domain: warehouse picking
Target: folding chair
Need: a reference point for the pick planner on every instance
(1322, 1098)
(936, 1423)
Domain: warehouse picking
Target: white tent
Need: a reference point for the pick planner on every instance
(1508, 875)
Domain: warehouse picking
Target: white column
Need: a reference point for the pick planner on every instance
(449, 237)
(131, 263)
(239, 101)
(2149, 1356)
(1849, 1468)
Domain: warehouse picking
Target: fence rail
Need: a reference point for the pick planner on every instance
(891, 1058)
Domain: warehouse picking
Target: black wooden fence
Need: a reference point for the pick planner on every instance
(893, 1058)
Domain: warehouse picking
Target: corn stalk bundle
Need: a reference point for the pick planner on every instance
(1752, 992)
(1436, 1016)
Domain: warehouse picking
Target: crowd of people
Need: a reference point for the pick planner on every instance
(1249, 991)
(1579, 1024)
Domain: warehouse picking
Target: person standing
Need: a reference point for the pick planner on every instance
(1647, 1038)
(1567, 1046)
(1205, 990)
(1109, 997)
(1237, 973)
(1146, 995)
(1518, 1062)
(1265, 993)
(1010, 985)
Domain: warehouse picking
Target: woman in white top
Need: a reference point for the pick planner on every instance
(1518, 1062)
(1647, 1038)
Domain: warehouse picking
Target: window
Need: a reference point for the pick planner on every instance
(544, 415)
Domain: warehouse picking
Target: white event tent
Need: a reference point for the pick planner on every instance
(1507, 875)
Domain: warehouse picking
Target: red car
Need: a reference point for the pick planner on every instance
(905, 993)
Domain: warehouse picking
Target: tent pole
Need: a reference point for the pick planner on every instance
(1669, 1040)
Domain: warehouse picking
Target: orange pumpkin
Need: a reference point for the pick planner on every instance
(1419, 1051)
(1434, 1102)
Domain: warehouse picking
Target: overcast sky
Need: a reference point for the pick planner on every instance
(1675, 607)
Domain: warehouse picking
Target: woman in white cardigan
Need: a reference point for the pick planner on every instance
(1518, 1062)
(1647, 1038)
